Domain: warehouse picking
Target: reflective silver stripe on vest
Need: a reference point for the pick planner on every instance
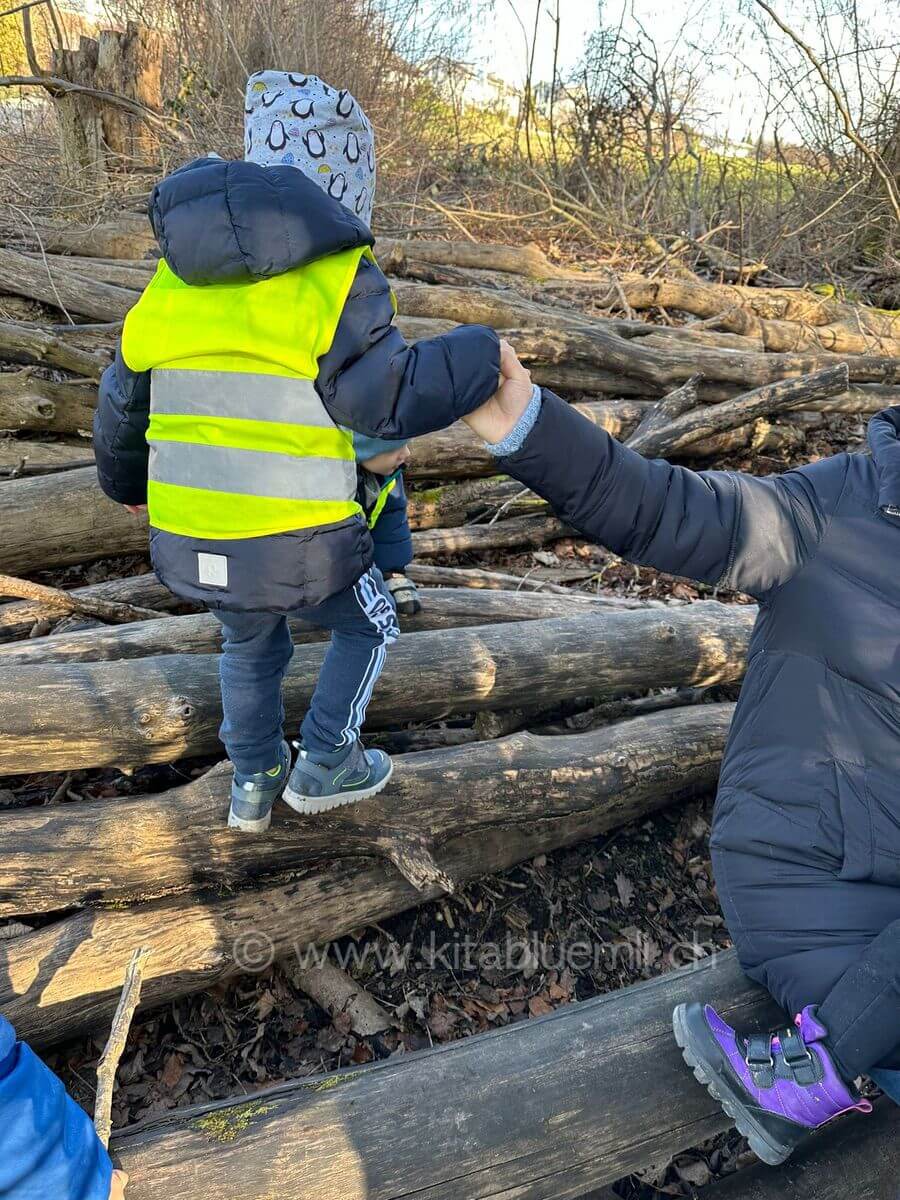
(252, 472)
(255, 397)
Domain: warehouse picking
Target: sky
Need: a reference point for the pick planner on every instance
(715, 34)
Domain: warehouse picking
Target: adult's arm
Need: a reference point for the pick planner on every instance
(724, 528)
(48, 1147)
(120, 429)
(373, 382)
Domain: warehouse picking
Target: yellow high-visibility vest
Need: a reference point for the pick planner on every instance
(240, 443)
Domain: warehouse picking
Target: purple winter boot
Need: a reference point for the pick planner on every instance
(776, 1087)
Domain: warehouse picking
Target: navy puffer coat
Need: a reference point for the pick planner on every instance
(806, 835)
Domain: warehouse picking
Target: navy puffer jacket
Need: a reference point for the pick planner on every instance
(220, 221)
(806, 836)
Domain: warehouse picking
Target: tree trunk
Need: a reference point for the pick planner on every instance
(160, 709)
(528, 261)
(80, 120)
(516, 532)
(42, 458)
(52, 859)
(29, 402)
(25, 343)
(128, 237)
(200, 633)
(63, 519)
(547, 1107)
(62, 287)
(65, 979)
(130, 64)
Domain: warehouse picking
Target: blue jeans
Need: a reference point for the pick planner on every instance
(256, 650)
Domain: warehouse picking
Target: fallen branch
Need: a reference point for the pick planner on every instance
(27, 401)
(670, 428)
(115, 612)
(118, 1036)
(474, 577)
(63, 288)
(143, 591)
(338, 994)
(27, 343)
(62, 87)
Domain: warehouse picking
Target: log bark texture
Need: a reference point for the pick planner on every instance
(517, 531)
(850, 1158)
(154, 846)
(65, 978)
(680, 426)
(42, 458)
(62, 519)
(550, 1107)
(200, 633)
(60, 717)
(29, 402)
(27, 343)
(62, 287)
(129, 63)
(129, 237)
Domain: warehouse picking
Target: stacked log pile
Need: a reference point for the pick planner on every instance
(137, 684)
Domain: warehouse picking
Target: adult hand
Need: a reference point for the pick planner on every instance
(498, 416)
(135, 509)
(119, 1182)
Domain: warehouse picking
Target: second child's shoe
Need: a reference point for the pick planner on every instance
(777, 1087)
(252, 796)
(316, 788)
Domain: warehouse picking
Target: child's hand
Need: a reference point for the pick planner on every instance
(496, 419)
(135, 509)
(119, 1182)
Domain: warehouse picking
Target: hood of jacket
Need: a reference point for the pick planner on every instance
(884, 442)
(234, 222)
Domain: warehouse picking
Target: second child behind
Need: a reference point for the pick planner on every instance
(264, 338)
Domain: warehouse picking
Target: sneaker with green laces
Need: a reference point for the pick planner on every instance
(252, 796)
(316, 787)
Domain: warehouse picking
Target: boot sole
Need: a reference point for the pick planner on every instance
(714, 1078)
(248, 825)
(309, 806)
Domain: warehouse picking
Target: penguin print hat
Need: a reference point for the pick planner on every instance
(299, 121)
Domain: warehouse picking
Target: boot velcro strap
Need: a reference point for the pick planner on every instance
(760, 1059)
(798, 1057)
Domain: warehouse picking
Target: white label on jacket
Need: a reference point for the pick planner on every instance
(213, 569)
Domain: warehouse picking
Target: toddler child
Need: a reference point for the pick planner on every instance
(265, 336)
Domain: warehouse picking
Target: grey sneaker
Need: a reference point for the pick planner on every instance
(313, 788)
(252, 796)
